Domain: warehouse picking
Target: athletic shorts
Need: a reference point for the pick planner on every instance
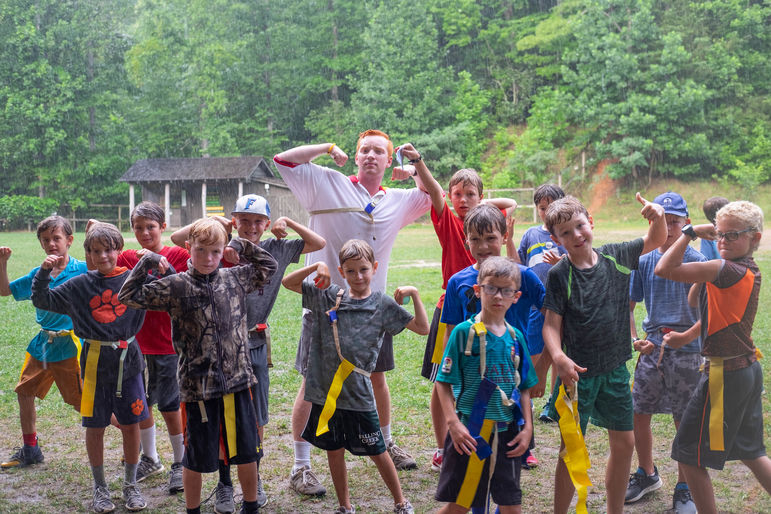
(504, 486)
(666, 388)
(203, 440)
(36, 380)
(357, 432)
(742, 421)
(130, 408)
(435, 337)
(385, 359)
(604, 399)
(161, 382)
(259, 358)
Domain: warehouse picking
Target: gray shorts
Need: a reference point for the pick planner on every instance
(385, 359)
(161, 382)
(259, 358)
(667, 388)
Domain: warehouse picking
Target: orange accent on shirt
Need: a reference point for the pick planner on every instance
(727, 306)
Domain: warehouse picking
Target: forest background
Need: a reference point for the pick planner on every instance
(521, 90)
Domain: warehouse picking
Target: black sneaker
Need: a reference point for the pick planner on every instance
(641, 484)
(682, 502)
(24, 456)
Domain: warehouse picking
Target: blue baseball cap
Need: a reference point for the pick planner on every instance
(673, 203)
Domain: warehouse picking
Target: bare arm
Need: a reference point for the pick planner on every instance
(423, 177)
(507, 204)
(180, 236)
(566, 369)
(5, 284)
(680, 339)
(312, 240)
(693, 295)
(294, 280)
(657, 228)
(640, 345)
(672, 267)
(418, 324)
(461, 439)
(521, 441)
(306, 153)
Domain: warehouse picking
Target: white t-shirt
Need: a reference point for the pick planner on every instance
(318, 188)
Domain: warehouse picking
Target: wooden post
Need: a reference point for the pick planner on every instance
(203, 199)
(167, 202)
(240, 189)
(131, 198)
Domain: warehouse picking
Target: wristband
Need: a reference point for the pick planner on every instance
(329, 150)
(689, 231)
(415, 161)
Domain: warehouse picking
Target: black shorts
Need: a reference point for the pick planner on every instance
(504, 486)
(742, 421)
(203, 440)
(161, 382)
(357, 432)
(130, 408)
(435, 338)
(259, 358)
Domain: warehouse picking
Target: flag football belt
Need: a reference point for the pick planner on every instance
(715, 366)
(263, 328)
(229, 408)
(53, 334)
(343, 370)
(89, 377)
(574, 455)
(366, 210)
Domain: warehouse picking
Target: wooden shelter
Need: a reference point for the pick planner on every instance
(191, 188)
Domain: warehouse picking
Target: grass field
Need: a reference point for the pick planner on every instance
(63, 482)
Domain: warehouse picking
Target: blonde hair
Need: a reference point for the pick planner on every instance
(207, 231)
(563, 210)
(356, 249)
(500, 267)
(747, 213)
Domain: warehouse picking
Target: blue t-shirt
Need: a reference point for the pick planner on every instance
(62, 347)
(709, 249)
(460, 302)
(665, 300)
(463, 370)
(535, 242)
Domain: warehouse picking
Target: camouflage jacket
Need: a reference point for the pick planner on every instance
(208, 319)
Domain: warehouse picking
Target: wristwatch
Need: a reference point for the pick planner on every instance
(689, 231)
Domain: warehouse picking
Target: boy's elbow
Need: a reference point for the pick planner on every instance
(423, 330)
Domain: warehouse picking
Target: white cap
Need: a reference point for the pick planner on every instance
(252, 204)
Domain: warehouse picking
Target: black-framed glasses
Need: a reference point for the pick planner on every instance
(732, 236)
(506, 292)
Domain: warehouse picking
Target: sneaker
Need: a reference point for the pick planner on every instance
(175, 478)
(436, 461)
(262, 498)
(343, 510)
(304, 481)
(404, 508)
(641, 484)
(402, 459)
(531, 462)
(544, 417)
(682, 502)
(102, 502)
(133, 498)
(223, 499)
(23, 457)
(148, 467)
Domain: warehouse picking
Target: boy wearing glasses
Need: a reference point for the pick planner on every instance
(724, 417)
(488, 360)
(667, 368)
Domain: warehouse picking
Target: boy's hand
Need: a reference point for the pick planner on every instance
(5, 253)
(676, 339)
(461, 439)
(91, 222)
(511, 220)
(650, 211)
(403, 173)
(551, 257)
(163, 266)
(538, 390)
(567, 370)
(339, 156)
(404, 292)
(278, 228)
(322, 279)
(521, 442)
(230, 254)
(52, 261)
(643, 346)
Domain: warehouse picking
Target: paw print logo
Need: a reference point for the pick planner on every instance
(137, 407)
(106, 308)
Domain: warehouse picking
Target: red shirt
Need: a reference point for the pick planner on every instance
(154, 337)
(455, 253)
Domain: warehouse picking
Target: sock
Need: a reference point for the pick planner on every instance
(147, 437)
(302, 455)
(98, 473)
(30, 439)
(196, 510)
(386, 430)
(177, 446)
(225, 473)
(130, 473)
(681, 485)
(250, 507)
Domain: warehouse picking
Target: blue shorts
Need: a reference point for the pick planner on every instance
(130, 408)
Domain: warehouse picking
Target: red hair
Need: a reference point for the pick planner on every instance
(372, 132)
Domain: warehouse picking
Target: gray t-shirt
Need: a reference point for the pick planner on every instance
(594, 305)
(260, 303)
(361, 325)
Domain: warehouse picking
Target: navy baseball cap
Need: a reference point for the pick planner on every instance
(673, 203)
